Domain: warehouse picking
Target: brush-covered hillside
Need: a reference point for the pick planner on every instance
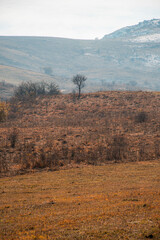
(61, 130)
(83, 168)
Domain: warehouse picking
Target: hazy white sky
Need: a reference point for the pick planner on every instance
(83, 19)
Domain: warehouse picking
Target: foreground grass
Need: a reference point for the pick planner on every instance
(117, 201)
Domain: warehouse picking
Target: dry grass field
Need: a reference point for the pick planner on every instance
(116, 201)
(81, 169)
(100, 127)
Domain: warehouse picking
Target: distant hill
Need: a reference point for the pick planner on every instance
(128, 59)
(6, 90)
(145, 28)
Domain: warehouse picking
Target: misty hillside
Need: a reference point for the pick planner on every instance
(127, 59)
(145, 28)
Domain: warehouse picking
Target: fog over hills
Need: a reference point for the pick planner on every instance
(126, 59)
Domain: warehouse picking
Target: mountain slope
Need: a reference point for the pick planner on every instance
(144, 28)
(126, 59)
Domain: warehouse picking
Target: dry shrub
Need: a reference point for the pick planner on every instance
(157, 149)
(32, 158)
(4, 109)
(79, 154)
(28, 90)
(3, 162)
(141, 117)
(117, 149)
(142, 152)
(13, 137)
(2, 115)
(13, 113)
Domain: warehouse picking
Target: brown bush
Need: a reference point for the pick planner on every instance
(141, 117)
(117, 149)
(3, 162)
(13, 137)
(4, 109)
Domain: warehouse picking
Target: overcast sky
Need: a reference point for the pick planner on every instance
(82, 19)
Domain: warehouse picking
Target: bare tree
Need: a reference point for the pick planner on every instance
(79, 81)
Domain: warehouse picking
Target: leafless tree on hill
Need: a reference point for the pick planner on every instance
(79, 81)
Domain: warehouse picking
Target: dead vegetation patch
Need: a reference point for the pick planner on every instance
(54, 131)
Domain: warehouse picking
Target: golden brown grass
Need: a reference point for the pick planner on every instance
(116, 201)
(100, 127)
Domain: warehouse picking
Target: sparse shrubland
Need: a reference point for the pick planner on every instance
(110, 201)
(56, 131)
(27, 90)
